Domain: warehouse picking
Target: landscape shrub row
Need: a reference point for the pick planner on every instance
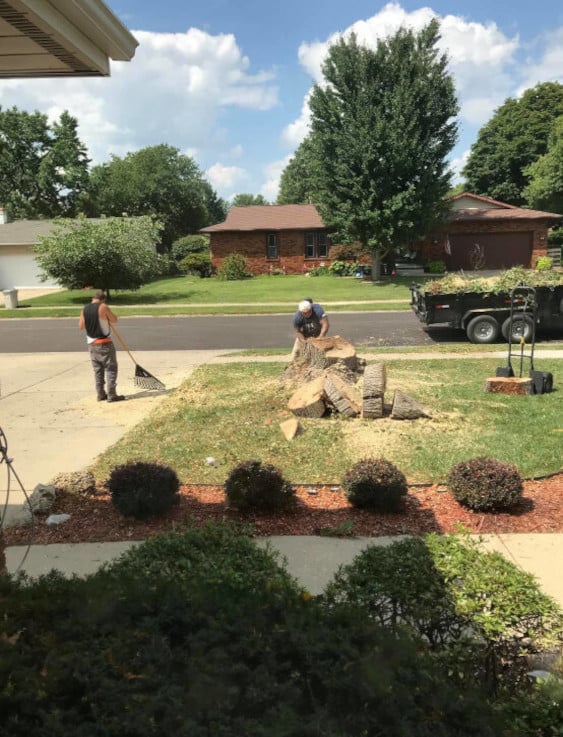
(142, 490)
(205, 632)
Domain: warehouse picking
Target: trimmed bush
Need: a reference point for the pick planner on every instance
(485, 484)
(143, 490)
(544, 263)
(190, 244)
(234, 268)
(435, 267)
(375, 483)
(251, 485)
(196, 263)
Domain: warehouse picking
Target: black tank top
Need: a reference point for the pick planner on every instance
(92, 322)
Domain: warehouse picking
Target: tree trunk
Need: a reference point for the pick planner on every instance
(321, 353)
(406, 408)
(372, 408)
(375, 379)
(376, 259)
(343, 396)
(308, 400)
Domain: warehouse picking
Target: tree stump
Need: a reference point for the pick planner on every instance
(343, 396)
(325, 352)
(375, 380)
(405, 407)
(308, 400)
(509, 385)
(372, 408)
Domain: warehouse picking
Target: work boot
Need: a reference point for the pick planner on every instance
(116, 398)
(102, 397)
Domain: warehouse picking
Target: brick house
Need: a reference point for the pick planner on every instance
(498, 234)
(294, 239)
(290, 238)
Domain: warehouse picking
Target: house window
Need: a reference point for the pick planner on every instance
(272, 245)
(316, 244)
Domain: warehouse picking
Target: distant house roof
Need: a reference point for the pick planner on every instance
(28, 232)
(269, 217)
(489, 209)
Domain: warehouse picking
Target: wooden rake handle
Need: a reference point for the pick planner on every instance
(115, 331)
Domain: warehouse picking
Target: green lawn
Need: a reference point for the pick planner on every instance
(188, 295)
(232, 413)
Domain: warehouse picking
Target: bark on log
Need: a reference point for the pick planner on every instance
(325, 352)
(343, 396)
(372, 408)
(308, 400)
(406, 408)
(509, 385)
(375, 380)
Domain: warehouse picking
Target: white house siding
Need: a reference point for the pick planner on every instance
(19, 269)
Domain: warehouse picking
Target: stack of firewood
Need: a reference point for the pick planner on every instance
(338, 381)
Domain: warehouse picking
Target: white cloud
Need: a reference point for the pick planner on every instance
(550, 66)
(481, 59)
(225, 178)
(457, 165)
(172, 91)
(273, 172)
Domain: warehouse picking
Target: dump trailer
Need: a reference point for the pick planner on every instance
(485, 316)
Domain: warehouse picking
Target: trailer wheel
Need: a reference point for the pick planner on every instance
(522, 327)
(483, 329)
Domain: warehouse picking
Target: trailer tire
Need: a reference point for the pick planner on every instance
(483, 329)
(522, 327)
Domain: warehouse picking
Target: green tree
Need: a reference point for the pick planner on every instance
(157, 180)
(244, 199)
(514, 138)
(296, 183)
(382, 126)
(545, 190)
(112, 253)
(216, 206)
(44, 168)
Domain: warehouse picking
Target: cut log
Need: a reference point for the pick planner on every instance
(308, 400)
(509, 385)
(290, 428)
(406, 408)
(325, 352)
(343, 396)
(375, 379)
(372, 408)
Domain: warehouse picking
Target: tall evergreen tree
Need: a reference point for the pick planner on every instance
(515, 137)
(297, 181)
(382, 126)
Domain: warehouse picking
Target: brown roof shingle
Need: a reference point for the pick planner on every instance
(495, 213)
(269, 217)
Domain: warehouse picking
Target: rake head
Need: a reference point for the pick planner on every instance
(146, 380)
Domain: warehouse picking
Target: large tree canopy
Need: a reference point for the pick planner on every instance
(245, 198)
(112, 253)
(382, 126)
(157, 180)
(545, 190)
(515, 137)
(43, 168)
(296, 183)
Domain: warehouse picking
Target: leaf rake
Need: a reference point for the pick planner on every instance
(143, 378)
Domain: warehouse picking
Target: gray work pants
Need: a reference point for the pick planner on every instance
(104, 363)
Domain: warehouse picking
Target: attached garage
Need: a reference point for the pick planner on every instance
(19, 270)
(482, 233)
(493, 250)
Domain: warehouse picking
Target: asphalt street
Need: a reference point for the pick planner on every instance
(228, 332)
(225, 332)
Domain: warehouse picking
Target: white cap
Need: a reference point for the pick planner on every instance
(304, 306)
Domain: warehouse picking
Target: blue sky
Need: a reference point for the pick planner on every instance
(226, 81)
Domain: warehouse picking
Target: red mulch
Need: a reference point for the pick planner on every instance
(426, 509)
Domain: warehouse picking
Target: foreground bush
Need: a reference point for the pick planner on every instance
(143, 490)
(374, 483)
(251, 485)
(485, 484)
(196, 263)
(125, 652)
(234, 268)
(476, 612)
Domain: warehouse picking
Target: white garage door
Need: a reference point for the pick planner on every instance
(19, 270)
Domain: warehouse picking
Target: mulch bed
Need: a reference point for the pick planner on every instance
(426, 509)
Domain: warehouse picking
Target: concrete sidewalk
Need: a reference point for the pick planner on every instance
(53, 423)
